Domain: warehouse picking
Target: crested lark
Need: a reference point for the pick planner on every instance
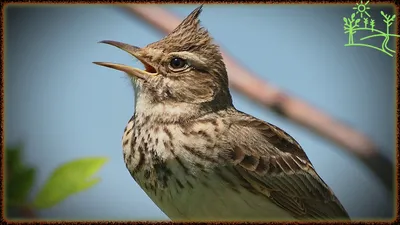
(196, 156)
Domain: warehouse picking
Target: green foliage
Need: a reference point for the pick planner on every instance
(68, 179)
(19, 178)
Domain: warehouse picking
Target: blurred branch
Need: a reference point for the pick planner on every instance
(27, 212)
(288, 106)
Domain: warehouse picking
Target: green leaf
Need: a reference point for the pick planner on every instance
(19, 178)
(394, 16)
(69, 178)
(19, 185)
(13, 158)
(383, 14)
(345, 20)
(352, 16)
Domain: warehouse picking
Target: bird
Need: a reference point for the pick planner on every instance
(196, 156)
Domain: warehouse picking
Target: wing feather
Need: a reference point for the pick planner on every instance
(275, 165)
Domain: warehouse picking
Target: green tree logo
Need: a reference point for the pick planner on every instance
(352, 25)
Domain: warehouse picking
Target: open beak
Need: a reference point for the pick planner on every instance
(133, 72)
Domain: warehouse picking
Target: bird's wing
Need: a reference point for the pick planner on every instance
(276, 166)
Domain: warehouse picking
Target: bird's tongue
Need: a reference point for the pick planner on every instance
(149, 68)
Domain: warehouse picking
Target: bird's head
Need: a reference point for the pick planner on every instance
(183, 68)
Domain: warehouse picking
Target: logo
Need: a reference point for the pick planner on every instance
(361, 22)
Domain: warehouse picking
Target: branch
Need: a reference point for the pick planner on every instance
(27, 212)
(18, 212)
(289, 106)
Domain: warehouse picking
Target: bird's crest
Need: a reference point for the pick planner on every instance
(189, 35)
(190, 23)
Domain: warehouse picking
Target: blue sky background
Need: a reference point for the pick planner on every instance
(64, 107)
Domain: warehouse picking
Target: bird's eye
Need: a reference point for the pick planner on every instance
(177, 63)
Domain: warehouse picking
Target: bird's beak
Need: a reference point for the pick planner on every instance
(133, 72)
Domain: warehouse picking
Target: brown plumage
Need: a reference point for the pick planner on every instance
(196, 156)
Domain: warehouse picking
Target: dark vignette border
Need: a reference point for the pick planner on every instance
(328, 2)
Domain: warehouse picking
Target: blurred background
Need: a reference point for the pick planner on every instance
(63, 107)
